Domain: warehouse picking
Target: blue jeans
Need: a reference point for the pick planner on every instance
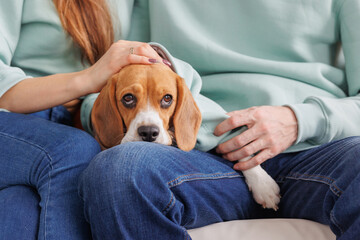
(150, 191)
(40, 164)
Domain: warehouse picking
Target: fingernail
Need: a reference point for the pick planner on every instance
(166, 62)
(153, 60)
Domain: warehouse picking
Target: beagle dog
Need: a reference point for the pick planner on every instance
(152, 103)
(146, 103)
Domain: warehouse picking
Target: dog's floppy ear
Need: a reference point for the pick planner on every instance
(106, 119)
(187, 117)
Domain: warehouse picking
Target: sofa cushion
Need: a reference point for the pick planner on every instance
(260, 229)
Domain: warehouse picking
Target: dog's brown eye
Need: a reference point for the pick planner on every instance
(166, 101)
(167, 98)
(129, 100)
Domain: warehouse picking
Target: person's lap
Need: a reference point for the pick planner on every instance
(47, 157)
(195, 189)
(321, 184)
(163, 185)
(19, 213)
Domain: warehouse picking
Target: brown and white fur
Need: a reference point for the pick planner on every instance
(146, 103)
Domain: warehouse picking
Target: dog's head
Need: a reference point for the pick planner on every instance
(146, 103)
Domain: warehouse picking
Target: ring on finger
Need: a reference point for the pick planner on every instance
(131, 50)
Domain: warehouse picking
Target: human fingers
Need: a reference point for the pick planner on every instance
(144, 49)
(239, 141)
(236, 119)
(267, 139)
(147, 51)
(246, 151)
(254, 161)
(121, 54)
(273, 129)
(276, 125)
(137, 59)
(117, 57)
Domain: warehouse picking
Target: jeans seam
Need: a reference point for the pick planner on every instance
(51, 167)
(170, 205)
(315, 178)
(187, 236)
(335, 222)
(200, 176)
(193, 177)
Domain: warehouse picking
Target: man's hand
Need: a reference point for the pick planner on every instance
(271, 130)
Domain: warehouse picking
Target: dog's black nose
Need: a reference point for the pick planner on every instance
(148, 133)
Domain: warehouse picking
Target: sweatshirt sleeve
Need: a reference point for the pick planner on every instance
(10, 24)
(320, 119)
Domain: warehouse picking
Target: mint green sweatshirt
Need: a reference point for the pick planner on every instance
(244, 53)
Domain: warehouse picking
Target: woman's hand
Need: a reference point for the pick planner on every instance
(36, 94)
(118, 56)
(271, 130)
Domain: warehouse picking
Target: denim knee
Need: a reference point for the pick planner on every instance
(123, 163)
(125, 186)
(125, 169)
(84, 145)
(347, 152)
(73, 147)
(19, 213)
(354, 146)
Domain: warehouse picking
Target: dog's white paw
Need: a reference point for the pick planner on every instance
(265, 190)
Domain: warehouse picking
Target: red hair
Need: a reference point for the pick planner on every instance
(89, 24)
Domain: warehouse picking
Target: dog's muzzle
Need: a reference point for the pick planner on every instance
(148, 133)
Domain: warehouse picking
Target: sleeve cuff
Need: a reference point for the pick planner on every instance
(85, 112)
(311, 121)
(9, 77)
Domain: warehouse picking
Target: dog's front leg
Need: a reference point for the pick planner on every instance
(265, 190)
